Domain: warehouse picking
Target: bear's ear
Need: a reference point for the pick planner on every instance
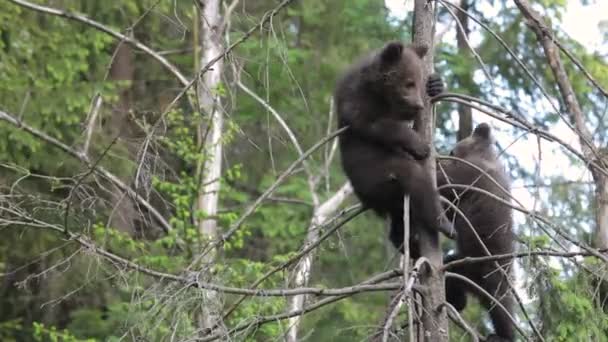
(483, 131)
(420, 50)
(391, 52)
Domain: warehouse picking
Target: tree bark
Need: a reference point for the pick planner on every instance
(546, 38)
(302, 271)
(209, 137)
(124, 213)
(465, 115)
(434, 320)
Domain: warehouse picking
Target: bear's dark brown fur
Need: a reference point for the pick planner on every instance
(381, 154)
(491, 220)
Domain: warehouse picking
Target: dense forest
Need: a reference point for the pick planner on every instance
(169, 170)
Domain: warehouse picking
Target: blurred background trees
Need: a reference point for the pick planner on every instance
(126, 143)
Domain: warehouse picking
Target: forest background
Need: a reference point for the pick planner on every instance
(139, 201)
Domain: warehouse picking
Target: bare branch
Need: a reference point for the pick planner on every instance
(543, 34)
(237, 224)
(455, 316)
(550, 100)
(273, 318)
(462, 30)
(302, 271)
(4, 116)
(489, 297)
(92, 118)
(498, 257)
(518, 121)
(305, 250)
(22, 218)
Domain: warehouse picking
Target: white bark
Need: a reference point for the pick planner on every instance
(211, 130)
(302, 271)
(602, 213)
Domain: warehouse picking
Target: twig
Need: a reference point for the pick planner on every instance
(468, 43)
(498, 257)
(83, 159)
(303, 269)
(544, 36)
(273, 318)
(237, 224)
(489, 297)
(305, 250)
(584, 140)
(535, 216)
(518, 121)
(192, 280)
(393, 310)
(453, 313)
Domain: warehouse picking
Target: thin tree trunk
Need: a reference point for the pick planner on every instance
(302, 271)
(434, 321)
(465, 116)
(210, 135)
(124, 213)
(545, 36)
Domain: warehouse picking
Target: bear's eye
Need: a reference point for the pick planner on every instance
(452, 153)
(410, 84)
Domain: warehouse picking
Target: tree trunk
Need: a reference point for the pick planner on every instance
(434, 321)
(124, 213)
(465, 116)
(209, 136)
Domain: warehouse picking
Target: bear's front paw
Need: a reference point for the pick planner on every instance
(421, 152)
(434, 85)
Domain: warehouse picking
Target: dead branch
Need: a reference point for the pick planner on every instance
(274, 318)
(543, 34)
(584, 141)
(303, 269)
(237, 224)
(305, 250)
(535, 216)
(100, 170)
(518, 121)
(498, 257)
(456, 318)
(489, 297)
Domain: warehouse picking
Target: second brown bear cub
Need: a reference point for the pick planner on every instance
(490, 220)
(381, 154)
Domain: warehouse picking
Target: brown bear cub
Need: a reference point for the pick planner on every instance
(491, 220)
(381, 154)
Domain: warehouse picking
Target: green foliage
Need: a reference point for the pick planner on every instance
(52, 334)
(569, 306)
(48, 91)
(51, 68)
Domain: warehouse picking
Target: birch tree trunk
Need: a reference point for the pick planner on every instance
(434, 321)
(210, 135)
(302, 271)
(577, 117)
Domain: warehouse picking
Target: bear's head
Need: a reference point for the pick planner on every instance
(480, 145)
(397, 76)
